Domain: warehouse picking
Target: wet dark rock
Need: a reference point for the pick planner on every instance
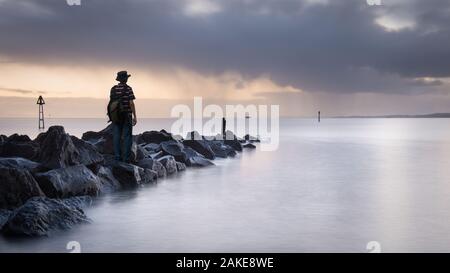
(194, 159)
(57, 149)
(39, 216)
(102, 140)
(19, 146)
(232, 141)
(128, 175)
(17, 185)
(148, 175)
(19, 138)
(154, 137)
(107, 131)
(137, 151)
(173, 148)
(146, 163)
(4, 217)
(201, 146)
(19, 163)
(169, 164)
(180, 166)
(188, 152)
(40, 138)
(221, 150)
(88, 154)
(249, 146)
(141, 153)
(149, 163)
(199, 162)
(3, 138)
(67, 182)
(151, 147)
(108, 182)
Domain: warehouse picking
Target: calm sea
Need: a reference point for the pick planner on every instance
(333, 186)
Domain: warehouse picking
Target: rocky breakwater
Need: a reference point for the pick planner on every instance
(45, 183)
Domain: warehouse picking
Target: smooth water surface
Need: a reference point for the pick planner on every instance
(332, 186)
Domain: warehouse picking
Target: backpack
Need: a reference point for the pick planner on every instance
(115, 111)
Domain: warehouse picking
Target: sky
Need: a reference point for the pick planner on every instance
(343, 57)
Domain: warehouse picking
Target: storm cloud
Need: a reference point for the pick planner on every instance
(343, 46)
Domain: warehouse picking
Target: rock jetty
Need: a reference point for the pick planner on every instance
(45, 183)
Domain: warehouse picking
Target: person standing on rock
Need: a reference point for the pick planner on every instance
(124, 118)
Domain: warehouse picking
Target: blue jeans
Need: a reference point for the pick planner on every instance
(125, 130)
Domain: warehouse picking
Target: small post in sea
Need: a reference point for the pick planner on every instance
(318, 116)
(224, 127)
(41, 103)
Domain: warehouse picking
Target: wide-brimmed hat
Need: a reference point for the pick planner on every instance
(122, 75)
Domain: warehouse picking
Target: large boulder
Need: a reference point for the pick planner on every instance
(232, 141)
(39, 216)
(20, 163)
(220, 149)
(173, 148)
(130, 175)
(108, 182)
(102, 140)
(19, 146)
(88, 154)
(199, 162)
(200, 145)
(57, 149)
(67, 182)
(188, 152)
(154, 137)
(169, 164)
(194, 159)
(149, 163)
(17, 185)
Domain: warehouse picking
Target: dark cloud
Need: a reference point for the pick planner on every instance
(333, 47)
(22, 91)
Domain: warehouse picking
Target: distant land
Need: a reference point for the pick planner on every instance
(435, 115)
